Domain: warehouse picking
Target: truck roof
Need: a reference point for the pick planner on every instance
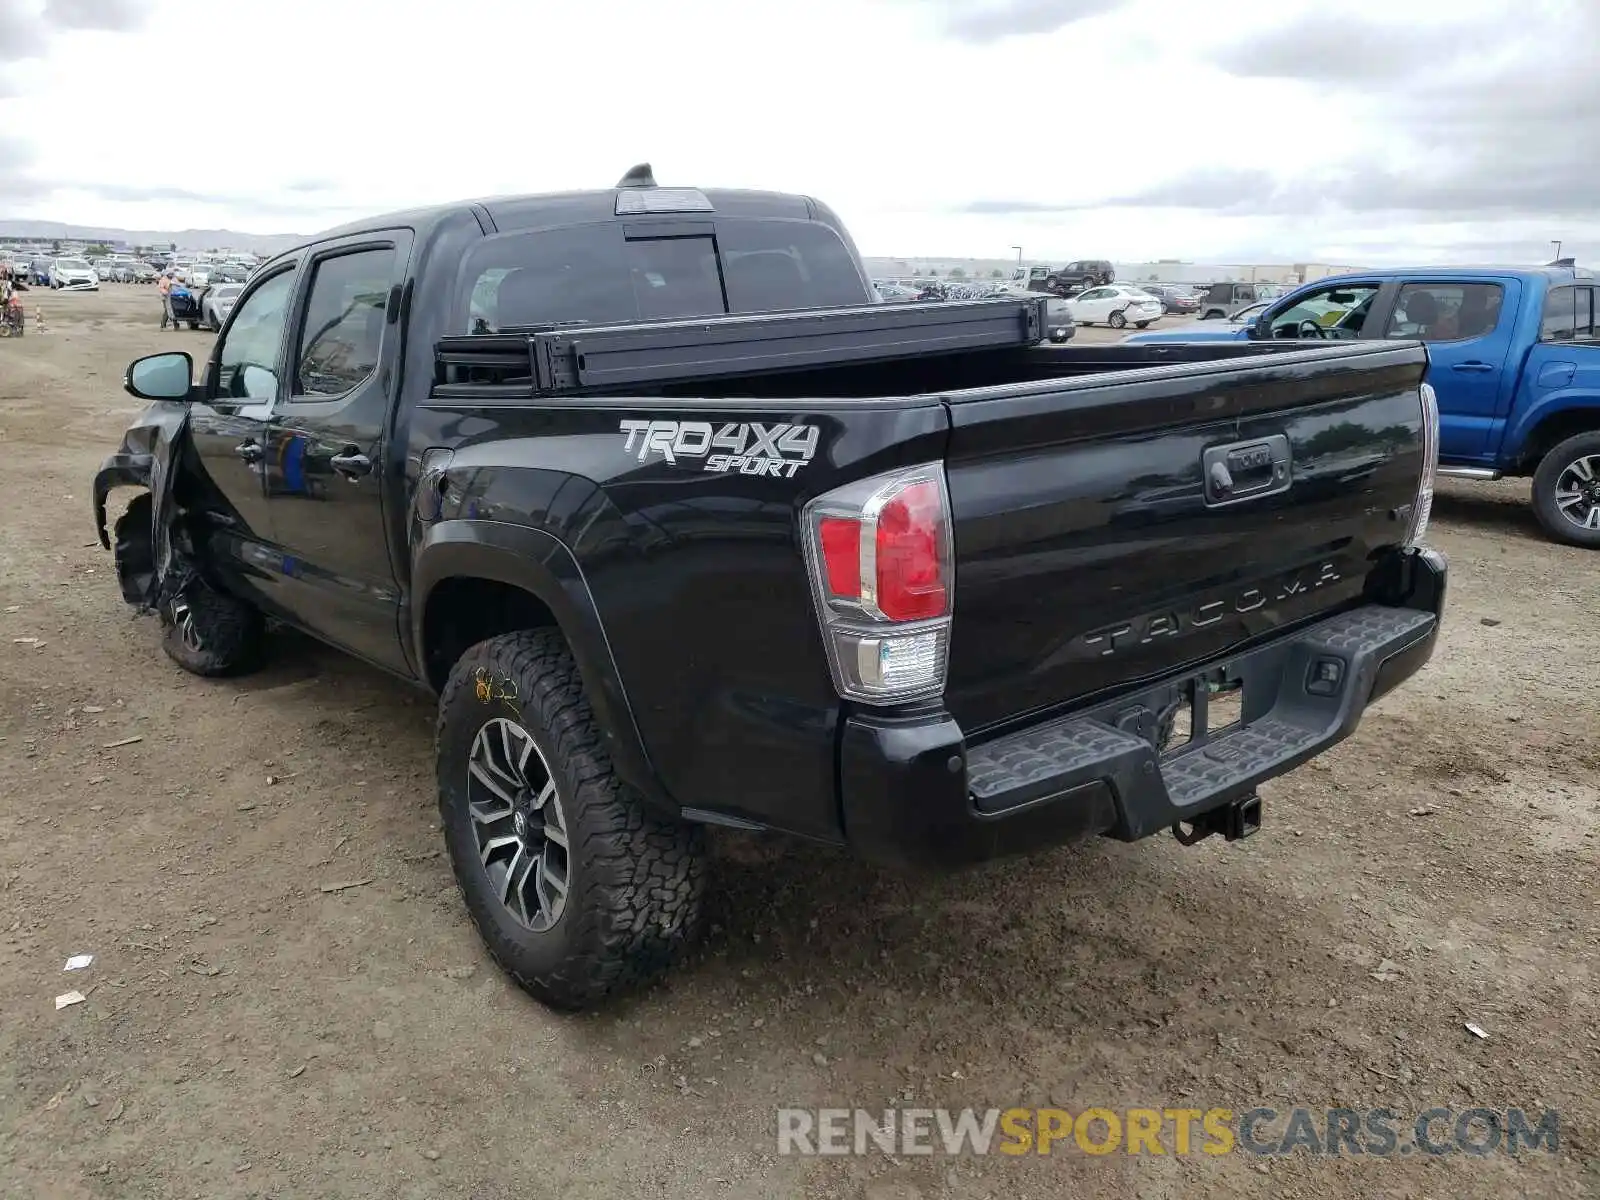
(1555, 275)
(627, 199)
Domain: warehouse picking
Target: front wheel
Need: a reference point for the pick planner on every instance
(577, 890)
(1117, 321)
(1566, 491)
(210, 633)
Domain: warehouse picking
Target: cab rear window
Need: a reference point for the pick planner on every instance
(609, 274)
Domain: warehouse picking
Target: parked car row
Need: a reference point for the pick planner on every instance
(1060, 325)
(124, 270)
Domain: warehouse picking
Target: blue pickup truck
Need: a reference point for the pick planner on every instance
(1514, 357)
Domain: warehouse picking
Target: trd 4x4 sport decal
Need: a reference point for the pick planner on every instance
(743, 448)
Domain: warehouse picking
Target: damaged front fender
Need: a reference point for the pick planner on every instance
(148, 459)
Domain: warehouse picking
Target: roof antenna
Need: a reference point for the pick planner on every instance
(639, 176)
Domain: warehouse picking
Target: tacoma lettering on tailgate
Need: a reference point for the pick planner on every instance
(1175, 622)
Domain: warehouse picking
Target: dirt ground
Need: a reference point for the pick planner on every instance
(248, 1033)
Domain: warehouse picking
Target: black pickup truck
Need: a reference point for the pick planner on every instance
(683, 530)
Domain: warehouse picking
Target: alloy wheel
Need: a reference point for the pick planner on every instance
(183, 621)
(1578, 492)
(519, 824)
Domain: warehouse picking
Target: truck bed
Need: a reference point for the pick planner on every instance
(1090, 551)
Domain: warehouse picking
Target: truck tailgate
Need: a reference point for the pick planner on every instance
(1115, 528)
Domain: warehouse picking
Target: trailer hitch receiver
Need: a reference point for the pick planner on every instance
(1234, 820)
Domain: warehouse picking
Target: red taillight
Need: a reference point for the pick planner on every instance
(879, 555)
(910, 555)
(841, 556)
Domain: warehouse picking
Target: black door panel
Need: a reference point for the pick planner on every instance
(325, 445)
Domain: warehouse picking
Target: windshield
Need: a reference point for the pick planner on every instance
(600, 274)
(72, 264)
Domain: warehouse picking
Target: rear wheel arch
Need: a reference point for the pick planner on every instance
(462, 610)
(1554, 429)
(475, 580)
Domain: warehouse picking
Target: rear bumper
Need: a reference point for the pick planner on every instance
(913, 792)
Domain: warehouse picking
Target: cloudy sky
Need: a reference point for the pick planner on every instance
(1126, 129)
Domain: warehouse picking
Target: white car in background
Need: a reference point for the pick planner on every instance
(217, 303)
(1116, 305)
(73, 275)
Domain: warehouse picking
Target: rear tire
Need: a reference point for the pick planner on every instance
(1561, 478)
(210, 633)
(570, 924)
(1141, 324)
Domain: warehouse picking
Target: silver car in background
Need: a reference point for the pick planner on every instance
(217, 303)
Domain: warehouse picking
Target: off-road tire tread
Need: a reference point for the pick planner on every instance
(232, 634)
(638, 878)
(1545, 477)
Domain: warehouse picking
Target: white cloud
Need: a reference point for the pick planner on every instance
(959, 127)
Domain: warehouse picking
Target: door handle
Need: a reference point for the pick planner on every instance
(249, 451)
(1473, 366)
(351, 463)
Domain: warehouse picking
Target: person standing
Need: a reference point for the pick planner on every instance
(164, 286)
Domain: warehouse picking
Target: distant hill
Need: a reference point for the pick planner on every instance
(185, 239)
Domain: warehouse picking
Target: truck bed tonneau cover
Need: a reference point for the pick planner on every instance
(590, 358)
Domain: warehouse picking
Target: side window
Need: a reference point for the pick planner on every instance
(1569, 315)
(1446, 312)
(1560, 309)
(247, 362)
(1340, 310)
(344, 321)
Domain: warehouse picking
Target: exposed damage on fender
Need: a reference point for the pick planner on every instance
(144, 552)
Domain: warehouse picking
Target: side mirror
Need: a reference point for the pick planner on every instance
(160, 376)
